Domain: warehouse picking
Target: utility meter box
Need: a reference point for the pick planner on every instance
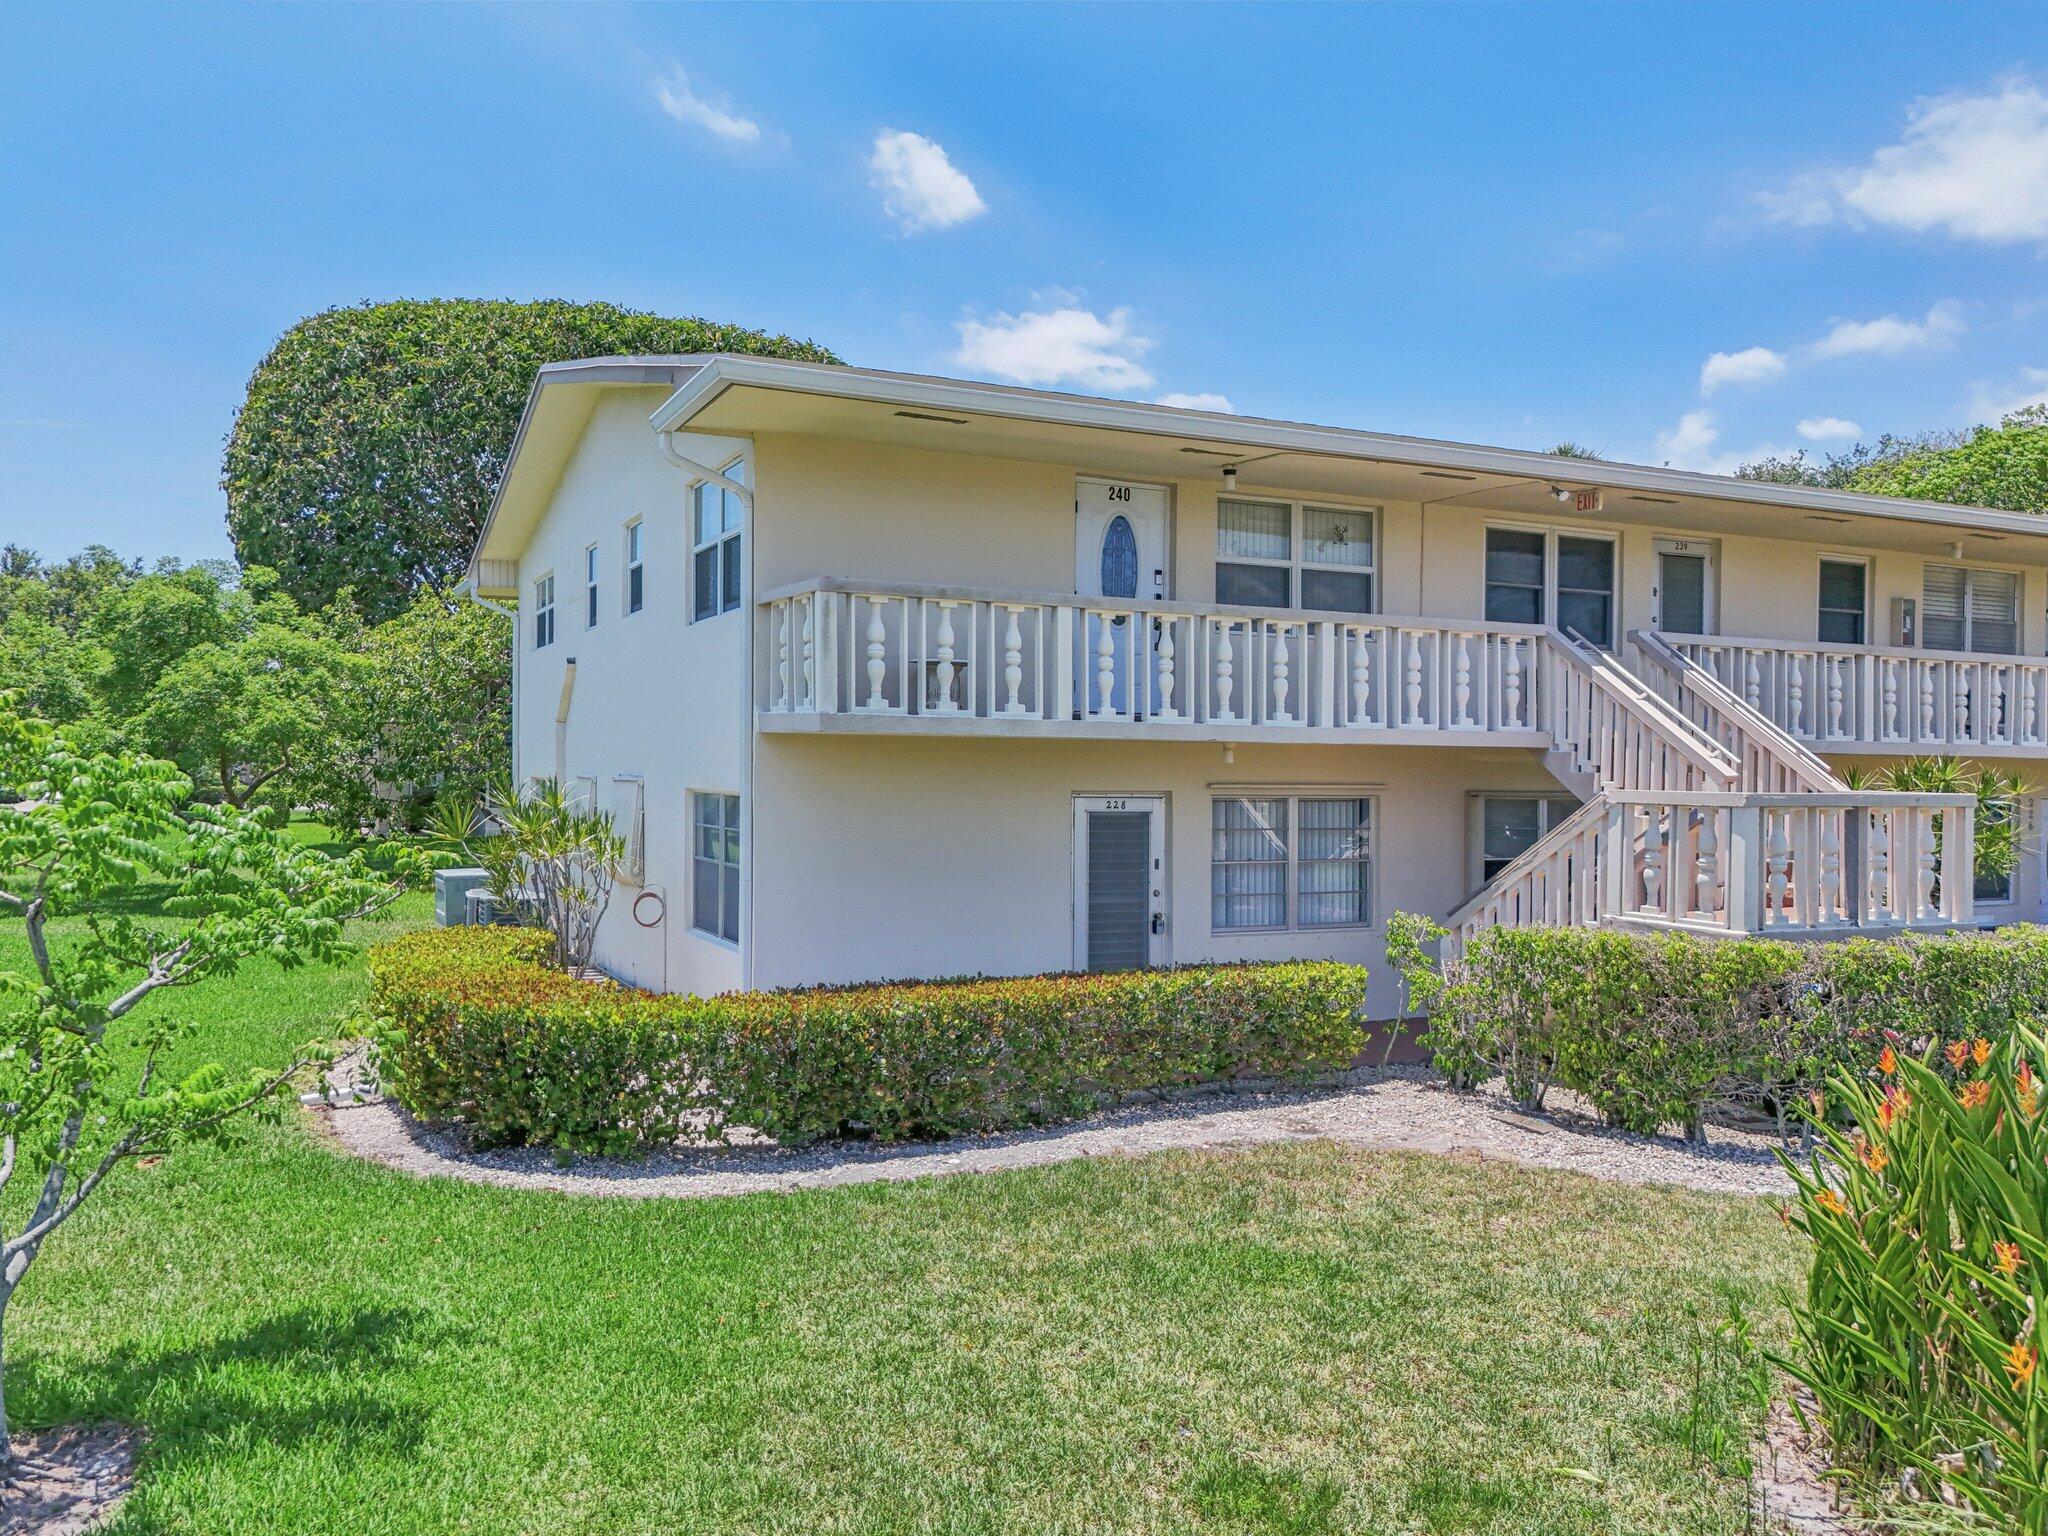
(1905, 621)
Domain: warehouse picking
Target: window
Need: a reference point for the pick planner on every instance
(715, 865)
(1285, 554)
(715, 548)
(1844, 589)
(1970, 610)
(544, 611)
(629, 820)
(636, 589)
(1290, 861)
(590, 587)
(1510, 825)
(1535, 576)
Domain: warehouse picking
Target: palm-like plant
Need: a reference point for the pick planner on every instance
(555, 858)
(1997, 791)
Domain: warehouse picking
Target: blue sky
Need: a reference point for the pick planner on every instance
(1509, 225)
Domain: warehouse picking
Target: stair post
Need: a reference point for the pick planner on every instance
(1745, 867)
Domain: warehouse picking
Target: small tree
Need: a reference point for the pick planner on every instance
(557, 859)
(83, 1078)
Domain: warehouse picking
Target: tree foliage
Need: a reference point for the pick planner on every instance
(2005, 466)
(373, 437)
(112, 840)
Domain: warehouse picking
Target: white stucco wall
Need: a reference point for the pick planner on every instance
(654, 695)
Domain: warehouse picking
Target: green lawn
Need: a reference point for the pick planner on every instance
(1294, 1339)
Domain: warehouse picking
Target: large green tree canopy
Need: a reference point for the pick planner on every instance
(372, 438)
(2005, 466)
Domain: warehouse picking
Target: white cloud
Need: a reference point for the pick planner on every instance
(686, 106)
(1752, 365)
(1690, 444)
(1219, 403)
(1943, 324)
(1062, 345)
(922, 189)
(1975, 167)
(1828, 429)
(1993, 403)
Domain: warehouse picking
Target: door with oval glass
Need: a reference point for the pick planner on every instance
(1684, 598)
(1121, 551)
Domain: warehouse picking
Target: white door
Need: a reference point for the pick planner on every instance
(1120, 539)
(1683, 602)
(1120, 551)
(1119, 882)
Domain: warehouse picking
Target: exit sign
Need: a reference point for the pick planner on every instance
(1585, 501)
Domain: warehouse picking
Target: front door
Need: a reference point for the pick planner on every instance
(1685, 587)
(1119, 882)
(1120, 539)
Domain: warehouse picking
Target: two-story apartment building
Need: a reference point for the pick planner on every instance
(891, 676)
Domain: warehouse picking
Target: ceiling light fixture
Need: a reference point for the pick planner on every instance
(1230, 477)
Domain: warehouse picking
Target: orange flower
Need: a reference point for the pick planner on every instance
(1981, 1051)
(1888, 1061)
(2029, 1089)
(2020, 1361)
(1896, 1102)
(1832, 1203)
(1957, 1052)
(1874, 1156)
(1974, 1095)
(2007, 1257)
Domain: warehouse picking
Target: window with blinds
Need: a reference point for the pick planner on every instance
(1290, 861)
(1285, 554)
(1964, 609)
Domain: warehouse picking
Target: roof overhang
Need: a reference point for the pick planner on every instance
(558, 408)
(741, 396)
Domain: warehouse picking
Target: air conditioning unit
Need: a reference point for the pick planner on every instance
(452, 888)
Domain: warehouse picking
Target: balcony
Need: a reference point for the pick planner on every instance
(1866, 698)
(868, 656)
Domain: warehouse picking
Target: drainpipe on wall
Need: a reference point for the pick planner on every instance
(704, 471)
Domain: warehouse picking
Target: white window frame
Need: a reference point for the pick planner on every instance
(543, 610)
(582, 793)
(1294, 795)
(1551, 533)
(629, 793)
(712, 935)
(1829, 557)
(634, 553)
(728, 602)
(1970, 573)
(590, 586)
(1297, 561)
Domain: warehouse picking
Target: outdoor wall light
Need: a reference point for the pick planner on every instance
(1230, 477)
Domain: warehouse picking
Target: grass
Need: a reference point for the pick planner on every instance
(1295, 1339)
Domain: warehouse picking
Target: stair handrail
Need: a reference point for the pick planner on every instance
(1524, 863)
(1612, 678)
(1805, 764)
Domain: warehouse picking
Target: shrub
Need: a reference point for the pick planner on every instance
(1656, 1029)
(485, 1033)
(1919, 1332)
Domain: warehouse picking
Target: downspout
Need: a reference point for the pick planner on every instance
(704, 471)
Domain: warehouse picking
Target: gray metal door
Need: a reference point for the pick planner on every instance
(1119, 890)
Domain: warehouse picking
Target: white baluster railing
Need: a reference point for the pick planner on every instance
(1767, 759)
(831, 647)
(1880, 696)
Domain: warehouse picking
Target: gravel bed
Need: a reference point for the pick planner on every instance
(1407, 1108)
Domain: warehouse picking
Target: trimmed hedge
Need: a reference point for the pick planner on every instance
(1656, 1029)
(482, 1031)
